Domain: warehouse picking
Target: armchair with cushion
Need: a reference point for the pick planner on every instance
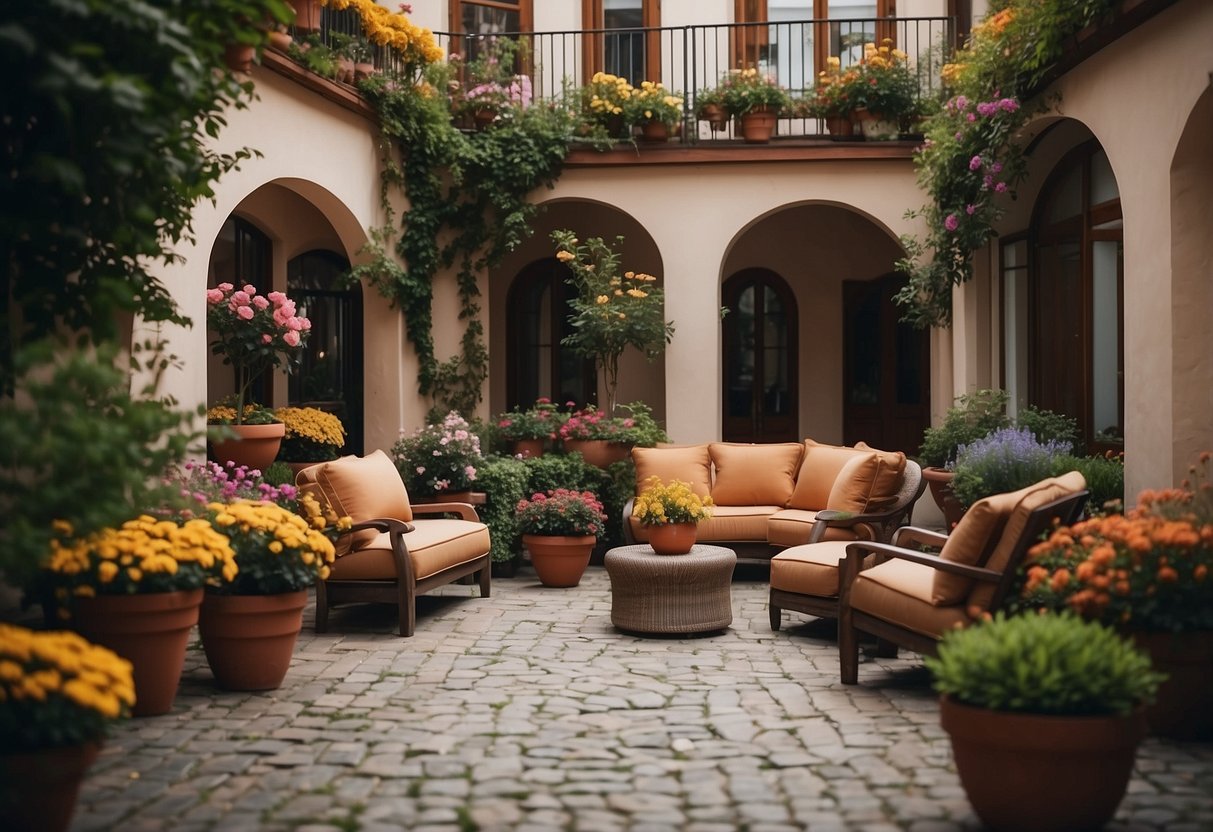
(907, 597)
(391, 554)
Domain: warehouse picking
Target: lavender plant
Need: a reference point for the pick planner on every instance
(1006, 460)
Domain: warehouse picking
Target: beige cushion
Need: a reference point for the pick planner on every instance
(754, 475)
(889, 477)
(365, 488)
(818, 471)
(809, 570)
(855, 484)
(793, 526)
(727, 523)
(900, 592)
(433, 545)
(689, 463)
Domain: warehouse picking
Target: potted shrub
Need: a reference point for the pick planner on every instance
(886, 91)
(439, 460)
(58, 696)
(312, 435)
(972, 416)
(835, 99)
(1006, 460)
(602, 440)
(1045, 716)
(656, 110)
(602, 105)
(671, 512)
(1149, 574)
(756, 100)
(559, 528)
(529, 430)
(709, 107)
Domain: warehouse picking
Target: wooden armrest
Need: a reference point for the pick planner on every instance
(862, 549)
(464, 510)
(382, 525)
(907, 535)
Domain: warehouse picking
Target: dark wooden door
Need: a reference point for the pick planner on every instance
(760, 371)
(886, 369)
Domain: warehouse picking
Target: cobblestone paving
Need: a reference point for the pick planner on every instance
(528, 711)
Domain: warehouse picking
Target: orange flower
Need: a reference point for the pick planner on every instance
(1168, 575)
(1060, 579)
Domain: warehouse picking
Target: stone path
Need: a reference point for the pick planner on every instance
(528, 711)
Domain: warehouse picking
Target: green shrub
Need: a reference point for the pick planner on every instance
(973, 416)
(503, 479)
(278, 473)
(1043, 664)
(1048, 426)
(1007, 460)
(1105, 478)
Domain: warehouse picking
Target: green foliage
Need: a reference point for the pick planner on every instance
(743, 90)
(278, 473)
(1105, 476)
(76, 444)
(110, 113)
(971, 417)
(315, 56)
(540, 421)
(1048, 426)
(1043, 664)
(503, 479)
(468, 206)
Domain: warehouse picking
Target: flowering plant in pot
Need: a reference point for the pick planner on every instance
(885, 88)
(745, 90)
(603, 440)
(539, 423)
(1044, 705)
(559, 528)
(440, 458)
(653, 104)
(58, 696)
(670, 511)
(1006, 460)
(312, 434)
(835, 97)
(603, 101)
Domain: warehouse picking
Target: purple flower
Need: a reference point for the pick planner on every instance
(972, 117)
(996, 167)
(951, 222)
(970, 209)
(961, 102)
(1008, 105)
(987, 108)
(1001, 187)
(975, 163)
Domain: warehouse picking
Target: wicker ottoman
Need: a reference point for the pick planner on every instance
(653, 593)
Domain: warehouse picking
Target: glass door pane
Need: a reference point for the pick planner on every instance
(1107, 409)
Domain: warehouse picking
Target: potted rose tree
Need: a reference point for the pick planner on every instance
(559, 529)
(254, 333)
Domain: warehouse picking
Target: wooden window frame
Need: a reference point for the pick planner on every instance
(746, 41)
(526, 19)
(593, 54)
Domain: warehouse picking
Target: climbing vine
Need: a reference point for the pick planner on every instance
(468, 206)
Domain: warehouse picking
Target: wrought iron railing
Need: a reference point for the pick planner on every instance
(690, 59)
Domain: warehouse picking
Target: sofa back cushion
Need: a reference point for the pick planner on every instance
(365, 488)
(815, 479)
(887, 485)
(754, 475)
(855, 484)
(689, 463)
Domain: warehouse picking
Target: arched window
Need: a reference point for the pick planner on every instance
(1072, 338)
(538, 365)
(329, 376)
(760, 373)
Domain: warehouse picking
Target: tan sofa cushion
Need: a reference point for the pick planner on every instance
(727, 523)
(754, 475)
(792, 527)
(365, 488)
(433, 545)
(809, 570)
(855, 484)
(690, 463)
(818, 471)
(900, 592)
(888, 478)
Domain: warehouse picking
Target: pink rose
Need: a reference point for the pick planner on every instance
(294, 324)
(240, 298)
(260, 302)
(250, 289)
(245, 312)
(265, 339)
(291, 338)
(225, 287)
(214, 296)
(305, 324)
(951, 223)
(276, 297)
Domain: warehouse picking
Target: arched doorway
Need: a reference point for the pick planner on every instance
(760, 367)
(329, 375)
(242, 254)
(886, 369)
(537, 320)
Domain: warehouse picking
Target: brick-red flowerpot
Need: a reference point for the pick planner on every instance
(249, 639)
(38, 789)
(672, 538)
(559, 560)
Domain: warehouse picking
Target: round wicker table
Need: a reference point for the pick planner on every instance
(669, 594)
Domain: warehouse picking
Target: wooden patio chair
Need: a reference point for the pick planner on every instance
(909, 598)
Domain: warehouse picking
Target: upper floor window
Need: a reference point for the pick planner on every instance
(626, 42)
(480, 20)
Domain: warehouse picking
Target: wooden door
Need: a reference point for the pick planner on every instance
(760, 371)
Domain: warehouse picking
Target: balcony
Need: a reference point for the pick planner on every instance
(689, 59)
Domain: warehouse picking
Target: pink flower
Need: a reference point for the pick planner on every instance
(265, 338)
(277, 298)
(245, 312)
(470, 472)
(213, 296)
(1001, 187)
(260, 302)
(420, 469)
(240, 298)
(970, 209)
(305, 324)
(971, 117)
(250, 289)
(225, 287)
(294, 324)
(291, 338)
(975, 163)
(951, 223)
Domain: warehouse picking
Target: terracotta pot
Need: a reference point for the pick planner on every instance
(280, 41)
(840, 127)
(559, 560)
(38, 789)
(528, 448)
(672, 538)
(151, 631)
(1044, 773)
(239, 56)
(363, 69)
(940, 482)
(876, 127)
(757, 126)
(483, 117)
(715, 116)
(249, 639)
(1181, 709)
(598, 452)
(257, 446)
(654, 131)
(307, 14)
(345, 70)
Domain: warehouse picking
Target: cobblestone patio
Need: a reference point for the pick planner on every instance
(529, 711)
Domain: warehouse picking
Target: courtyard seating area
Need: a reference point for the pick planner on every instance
(529, 710)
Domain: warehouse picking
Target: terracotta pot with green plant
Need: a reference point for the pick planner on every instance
(58, 696)
(602, 440)
(756, 100)
(670, 513)
(656, 110)
(529, 431)
(1150, 574)
(1045, 713)
(559, 529)
(835, 98)
(885, 91)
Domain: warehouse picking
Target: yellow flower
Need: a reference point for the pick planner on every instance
(602, 299)
(565, 256)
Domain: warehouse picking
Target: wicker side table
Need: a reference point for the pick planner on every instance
(653, 593)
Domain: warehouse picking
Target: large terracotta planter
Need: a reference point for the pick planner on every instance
(758, 125)
(151, 631)
(528, 448)
(939, 480)
(257, 446)
(654, 132)
(1182, 708)
(559, 560)
(249, 639)
(715, 116)
(598, 452)
(672, 538)
(876, 127)
(307, 14)
(1043, 773)
(841, 128)
(38, 789)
